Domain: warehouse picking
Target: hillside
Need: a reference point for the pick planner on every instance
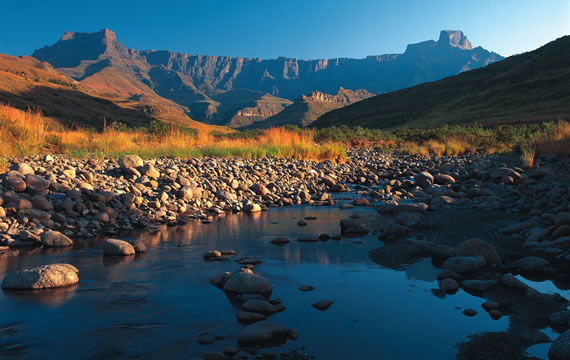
(25, 82)
(529, 87)
(196, 83)
(308, 108)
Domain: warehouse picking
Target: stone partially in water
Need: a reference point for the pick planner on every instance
(262, 333)
(117, 247)
(261, 306)
(55, 239)
(349, 226)
(246, 281)
(280, 241)
(478, 247)
(464, 264)
(42, 277)
(249, 317)
(322, 305)
(560, 348)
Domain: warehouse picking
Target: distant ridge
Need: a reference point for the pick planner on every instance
(308, 108)
(196, 82)
(529, 87)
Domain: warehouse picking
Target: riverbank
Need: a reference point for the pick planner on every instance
(103, 197)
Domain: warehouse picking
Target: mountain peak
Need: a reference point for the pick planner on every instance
(102, 34)
(454, 38)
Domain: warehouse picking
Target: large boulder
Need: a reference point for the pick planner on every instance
(42, 277)
(349, 226)
(15, 183)
(117, 247)
(423, 179)
(22, 168)
(478, 247)
(464, 264)
(55, 239)
(37, 183)
(262, 332)
(130, 162)
(529, 264)
(560, 348)
(246, 281)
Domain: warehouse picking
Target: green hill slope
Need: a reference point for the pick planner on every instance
(529, 87)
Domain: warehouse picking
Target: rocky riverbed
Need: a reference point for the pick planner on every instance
(54, 202)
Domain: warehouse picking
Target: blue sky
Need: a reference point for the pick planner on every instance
(305, 29)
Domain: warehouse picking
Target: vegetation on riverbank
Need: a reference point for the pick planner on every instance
(30, 133)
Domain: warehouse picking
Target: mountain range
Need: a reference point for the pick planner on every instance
(250, 92)
(530, 87)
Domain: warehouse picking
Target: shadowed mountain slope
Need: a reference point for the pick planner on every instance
(529, 87)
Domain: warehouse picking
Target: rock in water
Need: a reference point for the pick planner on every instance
(247, 282)
(262, 332)
(55, 239)
(560, 348)
(322, 305)
(42, 277)
(117, 247)
(464, 264)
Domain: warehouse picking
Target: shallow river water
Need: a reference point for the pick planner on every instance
(157, 304)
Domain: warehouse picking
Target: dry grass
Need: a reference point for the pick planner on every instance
(29, 133)
(556, 143)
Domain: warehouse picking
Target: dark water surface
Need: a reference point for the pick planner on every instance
(157, 304)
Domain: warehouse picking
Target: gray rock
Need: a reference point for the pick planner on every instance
(349, 226)
(478, 247)
(560, 318)
(130, 162)
(249, 317)
(42, 277)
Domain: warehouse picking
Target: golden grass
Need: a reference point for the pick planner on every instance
(528, 153)
(557, 143)
(28, 133)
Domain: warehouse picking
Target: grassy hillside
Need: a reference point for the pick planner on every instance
(28, 83)
(529, 87)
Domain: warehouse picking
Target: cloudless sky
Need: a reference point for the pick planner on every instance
(306, 29)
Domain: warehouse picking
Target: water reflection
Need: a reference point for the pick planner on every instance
(43, 297)
(155, 305)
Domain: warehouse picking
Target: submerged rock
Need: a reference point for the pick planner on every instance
(42, 277)
(261, 333)
(560, 348)
(322, 305)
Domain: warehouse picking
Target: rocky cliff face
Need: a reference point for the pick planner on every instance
(191, 81)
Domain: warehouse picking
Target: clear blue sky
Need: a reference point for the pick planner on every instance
(294, 28)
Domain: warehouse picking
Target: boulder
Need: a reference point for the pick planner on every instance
(423, 179)
(130, 162)
(55, 239)
(138, 245)
(529, 264)
(443, 179)
(478, 247)
(262, 332)
(349, 226)
(560, 348)
(22, 168)
(249, 317)
(117, 247)
(14, 183)
(37, 183)
(246, 281)
(464, 264)
(42, 277)
(252, 208)
(261, 306)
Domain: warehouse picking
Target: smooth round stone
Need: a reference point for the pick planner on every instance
(55, 239)
(42, 277)
(247, 282)
(469, 312)
(280, 241)
(117, 247)
(262, 332)
(322, 305)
